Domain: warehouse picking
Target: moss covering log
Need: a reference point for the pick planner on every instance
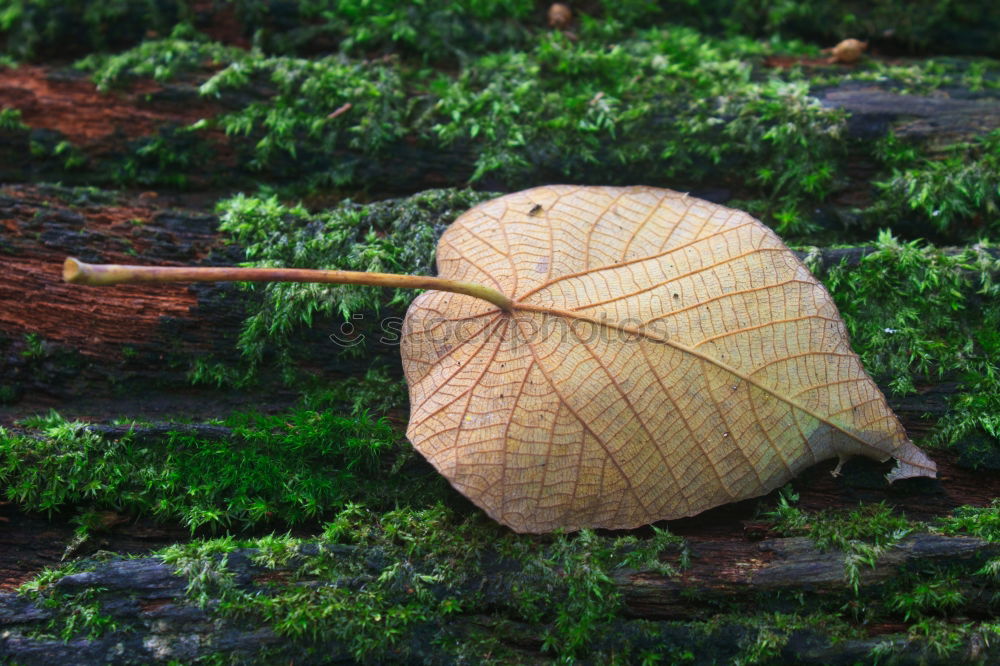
(884, 173)
(143, 610)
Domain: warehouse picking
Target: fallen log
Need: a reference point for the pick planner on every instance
(138, 135)
(152, 619)
(59, 341)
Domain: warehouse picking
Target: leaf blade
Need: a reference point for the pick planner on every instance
(666, 355)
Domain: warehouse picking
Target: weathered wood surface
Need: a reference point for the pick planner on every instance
(146, 595)
(935, 120)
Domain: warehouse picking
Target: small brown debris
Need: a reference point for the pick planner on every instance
(847, 52)
(560, 16)
(339, 111)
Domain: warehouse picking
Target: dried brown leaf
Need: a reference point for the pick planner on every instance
(664, 355)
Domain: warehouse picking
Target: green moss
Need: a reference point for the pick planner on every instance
(939, 640)
(617, 102)
(185, 50)
(296, 132)
(10, 120)
(78, 615)
(863, 535)
(668, 106)
(203, 564)
(917, 314)
(408, 573)
(770, 633)
(983, 522)
(206, 371)
(873, 523)
(169, 158)
(34, 347)
(378, 390)
(659, 105)
(287, 468)
(925, 597)
(958, 192)
(376, 579)
(75, 615)
(568, 585)
(49, 576)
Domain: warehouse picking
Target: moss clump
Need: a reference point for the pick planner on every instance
(923, 596)
(615, 103)
(34, 347)
(185, 50)
(928, 597)
(667, 106)
(864, 534)
(918, 314)
(569, 587)
(420, 563)
(10, 120)
(376, 581)
(982, 522)
(957, 194)
(288, 468)
(297, 132)
(74, 615)
(661, 106)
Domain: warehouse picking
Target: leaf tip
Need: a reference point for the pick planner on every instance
(911, 462)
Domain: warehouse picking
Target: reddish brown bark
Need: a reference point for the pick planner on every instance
(41, 231)
(69, 103)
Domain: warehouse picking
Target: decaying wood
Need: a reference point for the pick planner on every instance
(146, 336)
(147, 596)
(935, 120)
